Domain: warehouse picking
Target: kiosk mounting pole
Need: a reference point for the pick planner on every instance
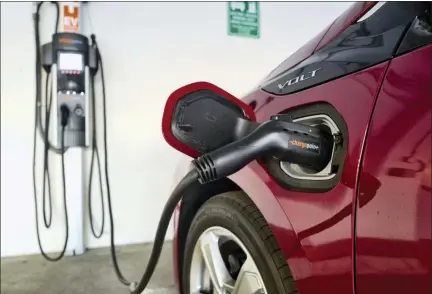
(75, 160)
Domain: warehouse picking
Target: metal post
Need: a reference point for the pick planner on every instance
(75, 157)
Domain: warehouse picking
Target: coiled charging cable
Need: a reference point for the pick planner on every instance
(44, 131)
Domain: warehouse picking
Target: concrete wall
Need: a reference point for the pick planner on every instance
(149, 50)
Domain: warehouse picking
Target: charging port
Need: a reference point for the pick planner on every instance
(327, 125)
(300, 178)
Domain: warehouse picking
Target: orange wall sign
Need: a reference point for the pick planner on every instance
(71, 16)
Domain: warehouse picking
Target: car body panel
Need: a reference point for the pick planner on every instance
(324, 248)
(394, 227)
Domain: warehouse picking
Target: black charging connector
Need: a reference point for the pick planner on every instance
(293, 142)
(94, 56)
(94, 67)
(64, 115)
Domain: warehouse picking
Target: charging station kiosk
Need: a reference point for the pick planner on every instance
(68, 59)
(68, 56)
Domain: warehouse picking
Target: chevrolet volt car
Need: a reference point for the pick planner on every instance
(362, 223)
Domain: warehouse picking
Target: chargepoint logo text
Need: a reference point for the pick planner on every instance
(298, 79)
(304, 145)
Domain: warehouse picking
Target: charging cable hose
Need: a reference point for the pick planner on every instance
(95, 156)
(189, 179)
(44, 131)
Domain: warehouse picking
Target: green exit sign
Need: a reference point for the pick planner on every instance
(243, 19)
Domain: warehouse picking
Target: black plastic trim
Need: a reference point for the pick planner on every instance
(418, 35)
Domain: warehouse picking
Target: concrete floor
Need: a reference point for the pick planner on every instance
(91, 273)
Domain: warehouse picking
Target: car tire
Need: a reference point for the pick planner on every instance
(235, 212)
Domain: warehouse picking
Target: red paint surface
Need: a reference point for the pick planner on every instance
(315, 230)
(394, 228)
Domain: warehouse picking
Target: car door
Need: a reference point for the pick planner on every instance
(393, 226)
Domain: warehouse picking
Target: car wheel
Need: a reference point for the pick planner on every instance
(231, 249)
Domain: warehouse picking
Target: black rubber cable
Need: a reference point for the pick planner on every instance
(117, 270)
(188, 180)
(47, 102)
(95, 151)
(60, 256)
(46, 173)
(176, 195)
(36, 18)
(44, 131)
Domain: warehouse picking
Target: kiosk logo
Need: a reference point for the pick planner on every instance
(304, 145)
(70, 18)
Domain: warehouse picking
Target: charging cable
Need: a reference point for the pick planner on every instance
(95, 156)
(44, 132)
(135, 287)
(64, 121)
(95, 151)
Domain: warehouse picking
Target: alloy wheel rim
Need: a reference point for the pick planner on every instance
(221, 264)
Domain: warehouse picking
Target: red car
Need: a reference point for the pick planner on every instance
(362, 223)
